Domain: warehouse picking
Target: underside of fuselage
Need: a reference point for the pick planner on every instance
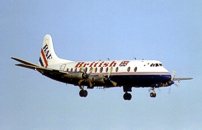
(122, 80)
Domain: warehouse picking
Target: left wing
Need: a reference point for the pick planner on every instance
(181, 79)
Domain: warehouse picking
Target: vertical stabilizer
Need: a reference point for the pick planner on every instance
(48, 56)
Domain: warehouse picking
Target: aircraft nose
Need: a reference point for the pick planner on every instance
(167, 77)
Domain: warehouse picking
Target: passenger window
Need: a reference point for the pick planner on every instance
(71, 69)
(128, 69)
(101, 69)
(67, 69)
(135, 69)
(117, 69)
(106, 69)
(95, 70)
(75, 69)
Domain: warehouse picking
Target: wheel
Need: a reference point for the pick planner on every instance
(153, 95)
(83, 93)
(127, 96)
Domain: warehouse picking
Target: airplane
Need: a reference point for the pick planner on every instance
(104, 74)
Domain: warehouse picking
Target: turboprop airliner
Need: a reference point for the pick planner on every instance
(104, 74)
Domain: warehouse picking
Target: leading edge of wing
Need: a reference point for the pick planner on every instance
(182, 79)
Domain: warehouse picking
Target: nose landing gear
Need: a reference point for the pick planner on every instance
(153, 94)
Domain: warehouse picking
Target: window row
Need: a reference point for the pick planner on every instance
(100, 69)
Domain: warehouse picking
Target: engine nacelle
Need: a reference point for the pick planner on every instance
(97, 80)
(74, 75)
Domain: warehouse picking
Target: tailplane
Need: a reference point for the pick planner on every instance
(48, 56)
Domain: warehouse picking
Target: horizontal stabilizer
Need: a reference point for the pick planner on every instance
(23, 61)
(42, 69)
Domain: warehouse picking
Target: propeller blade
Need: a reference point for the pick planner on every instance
(83, 70)
(101, 75)
(91, 70)
(169, 90)
(90, 84)
(173, 75)
(80, 81)
(113, 82)
(110, 71)
(177, 85)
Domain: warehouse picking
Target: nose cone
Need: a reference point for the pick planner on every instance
(167, 76)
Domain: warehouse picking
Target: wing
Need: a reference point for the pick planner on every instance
(182, 79)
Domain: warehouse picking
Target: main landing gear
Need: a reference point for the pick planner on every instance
(126, 89)
(153, 94)
(127, 96)
(83, 93)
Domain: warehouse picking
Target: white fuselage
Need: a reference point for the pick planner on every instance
(137, 73)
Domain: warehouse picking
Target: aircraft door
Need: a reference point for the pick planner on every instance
(62, 67)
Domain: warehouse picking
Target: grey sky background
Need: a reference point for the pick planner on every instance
(168, 31)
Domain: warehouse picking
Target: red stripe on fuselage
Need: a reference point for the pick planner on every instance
(44, 58)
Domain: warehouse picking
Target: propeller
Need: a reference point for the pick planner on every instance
(85, 76)
(108, 77)
(172, 82)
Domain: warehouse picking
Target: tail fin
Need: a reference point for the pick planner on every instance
(48, 56)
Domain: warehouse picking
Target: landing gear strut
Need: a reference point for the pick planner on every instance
(153, 94)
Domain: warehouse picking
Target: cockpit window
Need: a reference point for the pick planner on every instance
(156, 65)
